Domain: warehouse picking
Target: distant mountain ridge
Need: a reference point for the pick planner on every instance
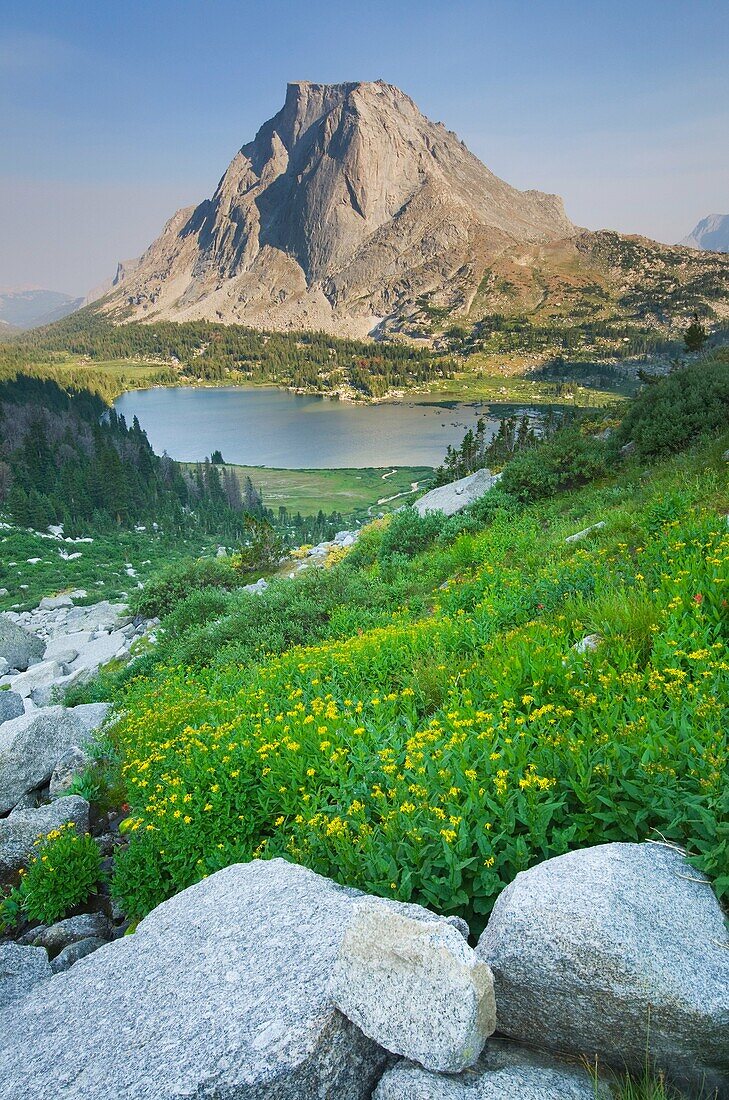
(710, 234)
(347, 206)
(29, 307)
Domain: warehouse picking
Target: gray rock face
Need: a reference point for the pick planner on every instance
(11, 705)
(21, 968)
(606, 951)
(21, 829)
(505, 1071)
(457, 495)
(91, 715)
(223, 991)
(415, 987)
(17, 646)
(29, 748)
(73, 763)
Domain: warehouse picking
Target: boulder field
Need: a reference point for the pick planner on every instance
(266, 981)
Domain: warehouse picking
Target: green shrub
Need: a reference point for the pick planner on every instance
(409, 533)
(682, 407)
(61, 875)
(566, 460)
(163, 592)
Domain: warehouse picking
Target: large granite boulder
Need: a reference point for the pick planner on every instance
(414, 986)
(505, 1071)
(21, 968)
(457, 495)
(38, 678)
(223, 991)
(21, 829)
(31, 745)
(18, 646)
(610, 951)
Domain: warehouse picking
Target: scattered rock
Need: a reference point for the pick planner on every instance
(587, 531)
(256, 589)
(72, 930)
(72, 763)
(65, 959)
(42, 675)
(21, 829)
(588, 644)
(19, 647)
(457, 495)
(53, 603)
(11, 705)
(414, 986)
(628, 448)
(505, 1071)
(21, 968)
(30, 745)
(222, 991)
(611, 950)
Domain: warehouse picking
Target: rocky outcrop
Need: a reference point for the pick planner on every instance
(612, 951)
(30, 747)
(348, 205)
(505, 1071)
(414, 986)
(457, 495)
(20, 830)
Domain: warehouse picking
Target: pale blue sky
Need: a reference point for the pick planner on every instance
(113, 114)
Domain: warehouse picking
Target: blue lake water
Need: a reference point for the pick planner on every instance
(271, 427)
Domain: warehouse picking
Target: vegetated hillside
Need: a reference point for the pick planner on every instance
(595, 296)
(416, 720)
(206, 352)
(346, 206)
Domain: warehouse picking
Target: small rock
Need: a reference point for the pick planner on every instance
(75, 951)
(19, 647)
(505, 1071)
(11, 705)
(588, 644)
(21, 968)
(52, 603)
(456, 496)
(587, 531)
(628, 449)
(73, 929)
(415, 987)
(72, 763)
(42, 675)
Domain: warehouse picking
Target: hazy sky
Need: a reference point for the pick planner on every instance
(113, 114)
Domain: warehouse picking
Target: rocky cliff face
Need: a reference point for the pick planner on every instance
(348, 205)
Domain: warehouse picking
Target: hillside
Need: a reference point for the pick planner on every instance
(29, 307)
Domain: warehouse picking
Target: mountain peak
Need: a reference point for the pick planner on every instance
(347, 205)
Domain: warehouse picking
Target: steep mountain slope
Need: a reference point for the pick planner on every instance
(346, 207)
(711, 233)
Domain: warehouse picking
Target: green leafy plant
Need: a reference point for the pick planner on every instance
(60, 876)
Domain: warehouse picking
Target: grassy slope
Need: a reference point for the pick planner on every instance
(100, 569)
(345, 490)
(431, 748)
